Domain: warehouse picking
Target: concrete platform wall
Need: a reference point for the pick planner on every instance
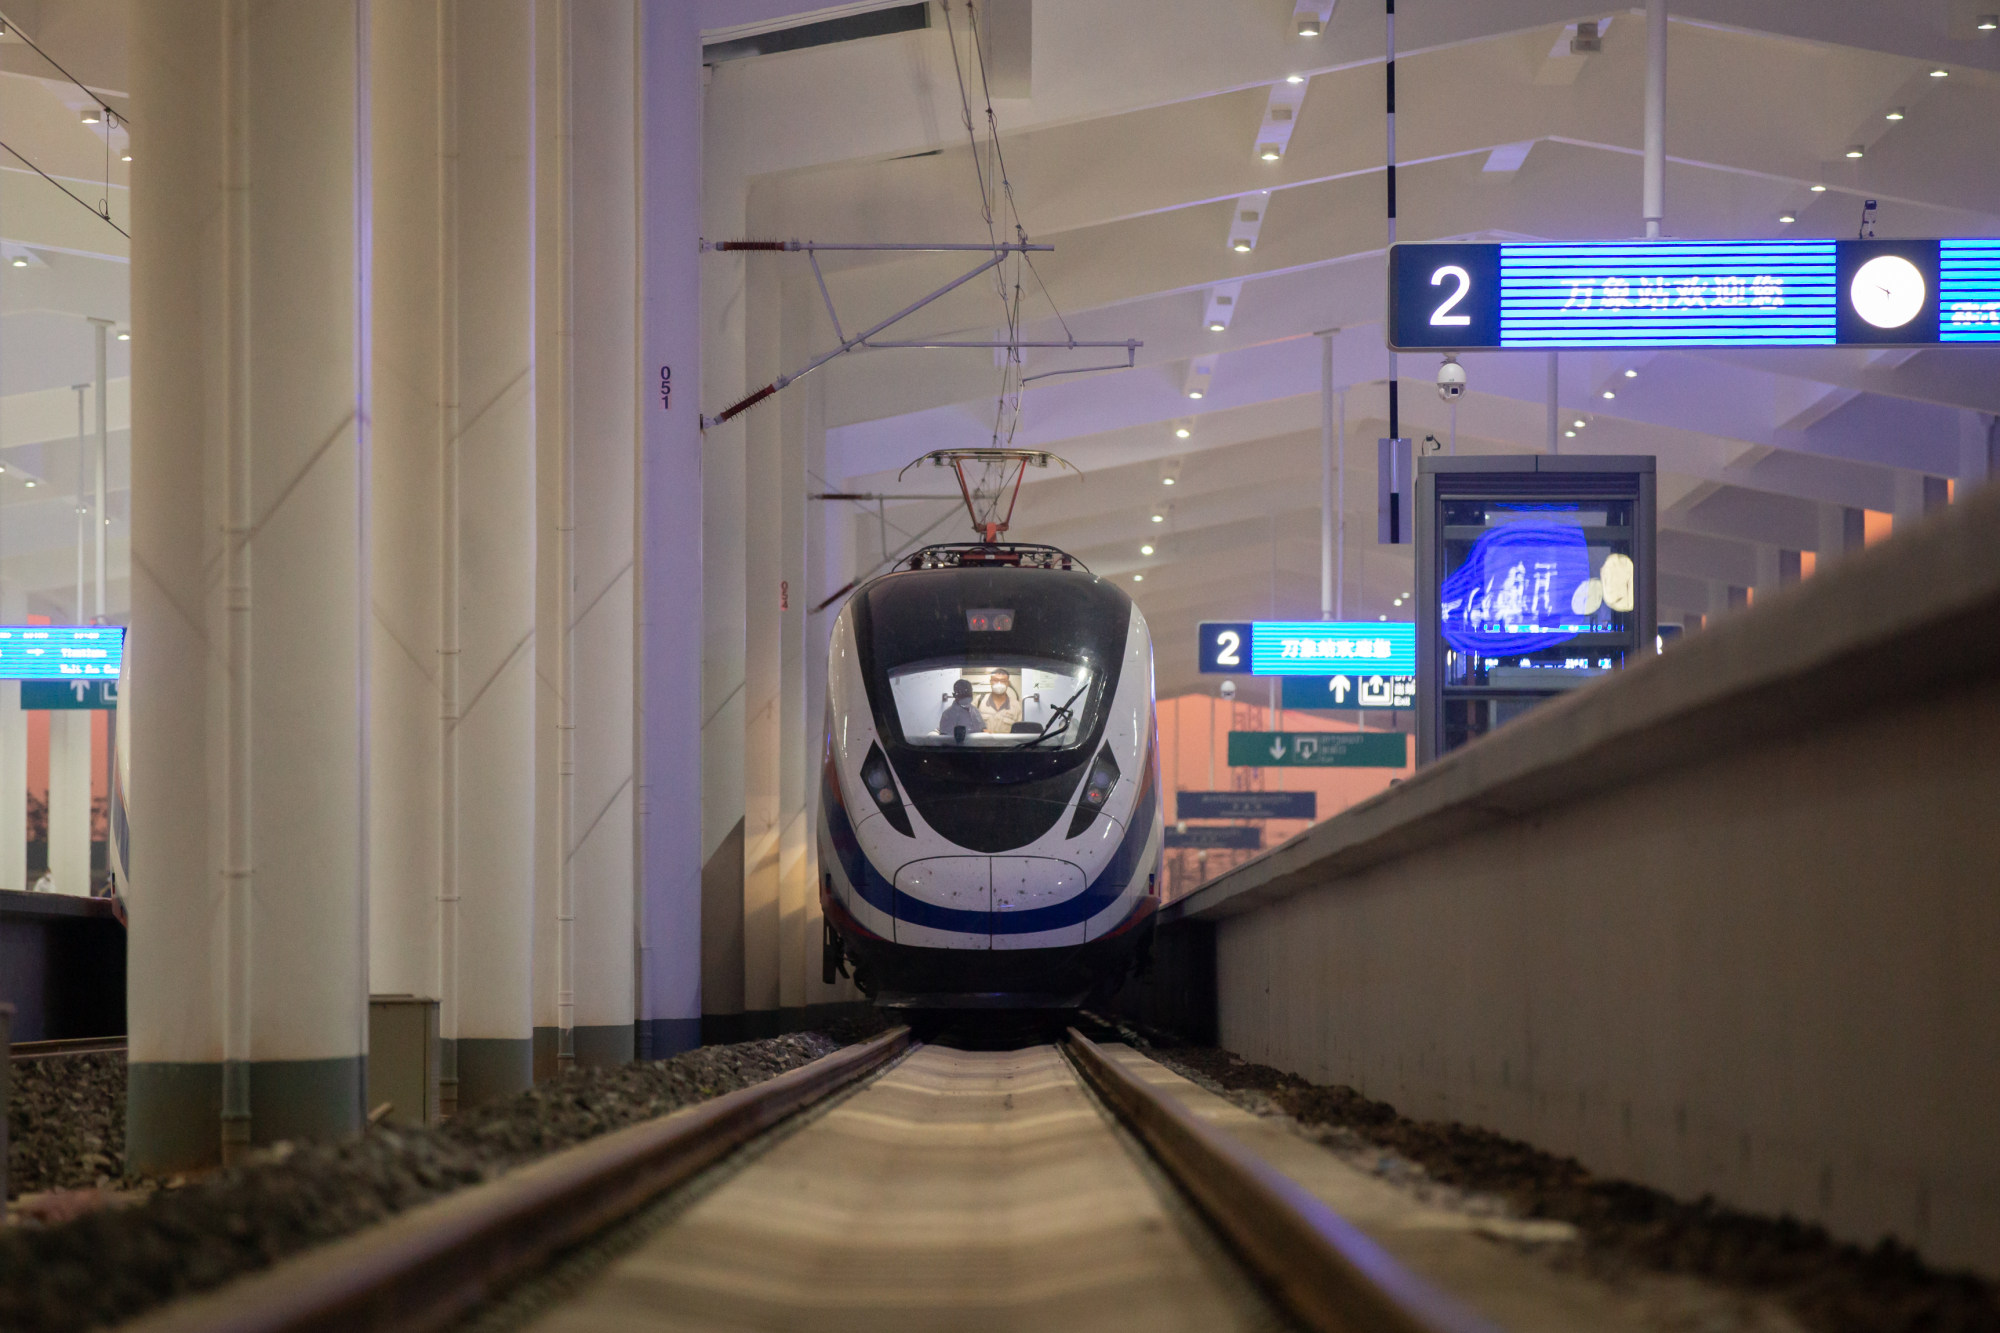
(1727, 925)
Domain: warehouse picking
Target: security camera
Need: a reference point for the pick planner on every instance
(1451, 380)
(1229, 689)
(1868, 220)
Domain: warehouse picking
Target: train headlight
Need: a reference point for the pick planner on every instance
(1098, 785)
(881, 785)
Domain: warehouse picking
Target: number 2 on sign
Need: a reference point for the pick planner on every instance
(666, 387)
(1228, 645)
(1442, 316)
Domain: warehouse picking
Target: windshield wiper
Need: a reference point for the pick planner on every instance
(1058, 720)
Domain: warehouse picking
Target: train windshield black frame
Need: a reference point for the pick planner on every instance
(918, 618)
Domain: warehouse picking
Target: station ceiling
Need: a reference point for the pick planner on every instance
(1136, 152)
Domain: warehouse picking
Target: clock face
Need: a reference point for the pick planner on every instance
(1888, 291)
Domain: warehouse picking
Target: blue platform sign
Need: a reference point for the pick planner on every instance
(61, 652)
(1246, 805)
(66, 695)
(1308, 647)
(1751, 293)
(1372, 690)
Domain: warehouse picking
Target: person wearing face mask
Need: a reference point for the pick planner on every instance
(960, 717)
(1001, 708)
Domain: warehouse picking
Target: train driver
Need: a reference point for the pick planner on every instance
(959, 715)
(1001, 708)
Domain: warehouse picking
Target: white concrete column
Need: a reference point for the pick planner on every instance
(604, 407)
(494, 739)
(1909, 500)
(13, 760)
(406, 477)
(763, 669)
(555, 955)
(69, 801)
(806, 426)
(248, 673)
(670, 541)
(725, 378)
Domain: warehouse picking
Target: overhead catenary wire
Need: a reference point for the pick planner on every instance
(102, 215)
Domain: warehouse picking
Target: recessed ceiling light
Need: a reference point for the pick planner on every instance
(1194, 393)
(1166, 481)
(123, 157)
(1269, 152)
(1217, 328)
(1609, 394)
(1381, 617)
(1138, 578)
(1819, 189)
(1182, 433)
(1988, 22)
(1145, 550)
(1397, 602)
(1631, 374)
(1895, 113)
(1786, 217)
(92, 115)
(31, 483)
(1309, 26)
(1569, 434)
(1295, 78)
(1857, 151)
(1940, 73)
(1159, 518)
(1578, 423)
(1241, 247)
(20, 261)
(125, 335)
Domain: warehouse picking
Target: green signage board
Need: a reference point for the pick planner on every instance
(44, 695)
(1318, 749)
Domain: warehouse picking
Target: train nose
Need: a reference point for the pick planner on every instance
(987, 902)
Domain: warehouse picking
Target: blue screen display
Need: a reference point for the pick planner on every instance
(61, 652)
(1517, 590)
(1969, 291)
(1667, 294)
(1330, 647)
(1806, 292)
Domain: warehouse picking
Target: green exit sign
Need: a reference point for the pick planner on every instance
(1318, 749)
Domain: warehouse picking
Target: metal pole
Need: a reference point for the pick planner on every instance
(82, 510)
(1395, 425)
(1326, 469)
(1555, 411)
(1656, 117)
(1340, 513)
(102, 328)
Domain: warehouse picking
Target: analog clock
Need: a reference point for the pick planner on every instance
(1888, 291)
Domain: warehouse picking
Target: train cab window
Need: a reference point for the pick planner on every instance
(998, 704)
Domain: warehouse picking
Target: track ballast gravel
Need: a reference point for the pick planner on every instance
(65, 1122)
(115, 1262)
(1830, 1286)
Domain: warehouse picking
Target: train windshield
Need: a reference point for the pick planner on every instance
(1024, 661)
(1005, 702)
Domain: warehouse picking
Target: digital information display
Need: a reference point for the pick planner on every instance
(1308, 647)
(61, 652)
(1772, 293)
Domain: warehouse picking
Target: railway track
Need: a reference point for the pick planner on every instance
(45, 1050)
(892, 1185)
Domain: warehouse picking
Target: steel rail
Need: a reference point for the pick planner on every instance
(1326, 1272)
(423, 1269)
(45, 1050)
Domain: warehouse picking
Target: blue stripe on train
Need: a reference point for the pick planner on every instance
(879, 893)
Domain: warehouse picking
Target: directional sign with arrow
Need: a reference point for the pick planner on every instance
(1318, 749)
(44, 695)
(1350, 691)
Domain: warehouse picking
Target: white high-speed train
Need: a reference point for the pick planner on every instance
(991, 823)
